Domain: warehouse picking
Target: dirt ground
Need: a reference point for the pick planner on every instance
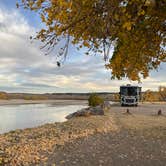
(140, 141)
(142, 109)
(120, 149)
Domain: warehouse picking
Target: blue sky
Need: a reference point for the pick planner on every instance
(31, 17)
(25, 68)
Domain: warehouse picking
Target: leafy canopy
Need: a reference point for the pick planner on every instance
(135, 28)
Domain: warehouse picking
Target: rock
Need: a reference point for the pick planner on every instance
(159, 112)
(106, 105)
(98, 110)
(69, 116)
(2, 154)
(127, 112)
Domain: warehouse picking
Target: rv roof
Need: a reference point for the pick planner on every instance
(130, 86)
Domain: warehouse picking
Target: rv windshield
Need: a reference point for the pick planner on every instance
(128, 91)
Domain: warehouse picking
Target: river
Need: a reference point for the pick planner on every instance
(21, 116)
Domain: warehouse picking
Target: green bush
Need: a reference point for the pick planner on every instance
(95, 100)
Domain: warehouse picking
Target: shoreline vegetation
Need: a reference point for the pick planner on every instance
(56, 96)
(146, 96)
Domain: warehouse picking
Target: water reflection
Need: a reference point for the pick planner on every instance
(30, 115)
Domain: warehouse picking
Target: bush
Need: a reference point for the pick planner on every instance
(95, 100)
(3, 96)
(150, 96)
(162, 93)
(34, 97)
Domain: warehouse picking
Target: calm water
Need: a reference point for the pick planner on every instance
(30, 115)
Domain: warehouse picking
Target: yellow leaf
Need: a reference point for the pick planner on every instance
(141, 12)
(127, 25)
(86, 44)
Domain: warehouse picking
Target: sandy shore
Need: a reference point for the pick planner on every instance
(34, 146)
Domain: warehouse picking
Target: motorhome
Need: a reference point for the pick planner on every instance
(130, 95)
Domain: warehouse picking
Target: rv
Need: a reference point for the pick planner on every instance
(130, 95)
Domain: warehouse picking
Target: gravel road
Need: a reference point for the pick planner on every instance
(140, 141)
(143, 108)
(120, 149)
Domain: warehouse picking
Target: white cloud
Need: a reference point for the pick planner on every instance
(13, 23)
(24, 68)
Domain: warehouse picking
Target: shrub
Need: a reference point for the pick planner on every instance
(162, 93)
(4, 96)
(95, 100)
(150, 96)
(34, 97)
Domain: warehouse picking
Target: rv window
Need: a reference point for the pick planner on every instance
(123, 90)
(132, 91)
(128, 91)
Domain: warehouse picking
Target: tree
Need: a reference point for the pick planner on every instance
(151, 96)
(136, 29)
(4, 96)
(162, 92)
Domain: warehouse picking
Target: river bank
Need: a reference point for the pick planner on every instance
(117, 139)
(32, 146)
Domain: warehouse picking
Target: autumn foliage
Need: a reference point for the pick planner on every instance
(135, 30)
(95, 100)
(3, 96)
(162, 92)
(152, 96)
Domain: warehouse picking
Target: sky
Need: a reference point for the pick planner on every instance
(25, 68)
